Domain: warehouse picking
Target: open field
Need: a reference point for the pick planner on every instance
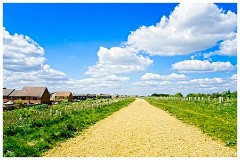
(141, 130)
(219, 120)
(29, 132)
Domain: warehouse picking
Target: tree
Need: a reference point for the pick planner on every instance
(234, 94)
(178, 95)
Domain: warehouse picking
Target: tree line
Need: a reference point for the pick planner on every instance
(225, 94)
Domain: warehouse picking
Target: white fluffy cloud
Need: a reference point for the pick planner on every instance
(202, 66)
(226, 48)
(153, 76)
(190, 28)
(234, 77)
(185, 86)
(21, 53)
(23, 63)
(98, 84)
(204, 81)
(118, 60)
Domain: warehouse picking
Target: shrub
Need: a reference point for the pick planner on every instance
(19, 103)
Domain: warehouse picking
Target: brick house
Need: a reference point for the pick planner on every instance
(31, 95)
(6, 93)
(64, 95)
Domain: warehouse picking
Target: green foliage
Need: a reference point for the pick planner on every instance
(160, 95)
(178, 95)
(19, 103)
(64, 102)
(225, 94)
(214, 119)
(39, 106)
(29, 132)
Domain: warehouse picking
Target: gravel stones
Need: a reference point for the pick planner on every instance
(141, 130)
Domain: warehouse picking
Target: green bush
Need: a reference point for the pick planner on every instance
(19, 104)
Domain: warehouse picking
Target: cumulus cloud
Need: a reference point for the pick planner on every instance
(110, 81)
(23, 62)
(187, 30)
(202, 66)
(173, 76)
(195, 85)
(21, 53)
(20, 44)
(203, 81)
(234, 77)
(118, 60)
(226, 48)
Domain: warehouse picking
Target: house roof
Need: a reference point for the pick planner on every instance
(79, 94)
(7, 92)
(29, 92)
(63, 94)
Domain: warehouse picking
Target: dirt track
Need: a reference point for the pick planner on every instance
(141, 130)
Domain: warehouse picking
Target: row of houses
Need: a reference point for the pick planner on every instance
(40, 95)
(28, 95)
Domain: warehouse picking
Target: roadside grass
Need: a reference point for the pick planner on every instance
(219, 120)
(37, 131)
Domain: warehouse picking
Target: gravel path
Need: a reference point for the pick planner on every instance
(141, 130)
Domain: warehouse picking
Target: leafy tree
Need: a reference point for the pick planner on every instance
(178, 95)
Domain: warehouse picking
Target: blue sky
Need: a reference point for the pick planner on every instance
(121, 48)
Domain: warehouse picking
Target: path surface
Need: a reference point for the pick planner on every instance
(141, 130)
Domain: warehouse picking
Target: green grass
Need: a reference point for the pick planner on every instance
(215, 119)
(40, 129)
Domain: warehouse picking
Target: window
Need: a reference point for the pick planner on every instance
(34, 98)
(23, 98)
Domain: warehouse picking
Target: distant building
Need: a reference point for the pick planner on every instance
(78, 97)
(115, 96)
(105, 96)
(52, 96)
(94, 96)
(59, 96)
(31, 95)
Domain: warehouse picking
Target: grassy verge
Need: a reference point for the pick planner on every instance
(35, 133)
(215, 119)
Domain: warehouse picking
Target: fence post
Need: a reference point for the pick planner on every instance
(220, 99)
